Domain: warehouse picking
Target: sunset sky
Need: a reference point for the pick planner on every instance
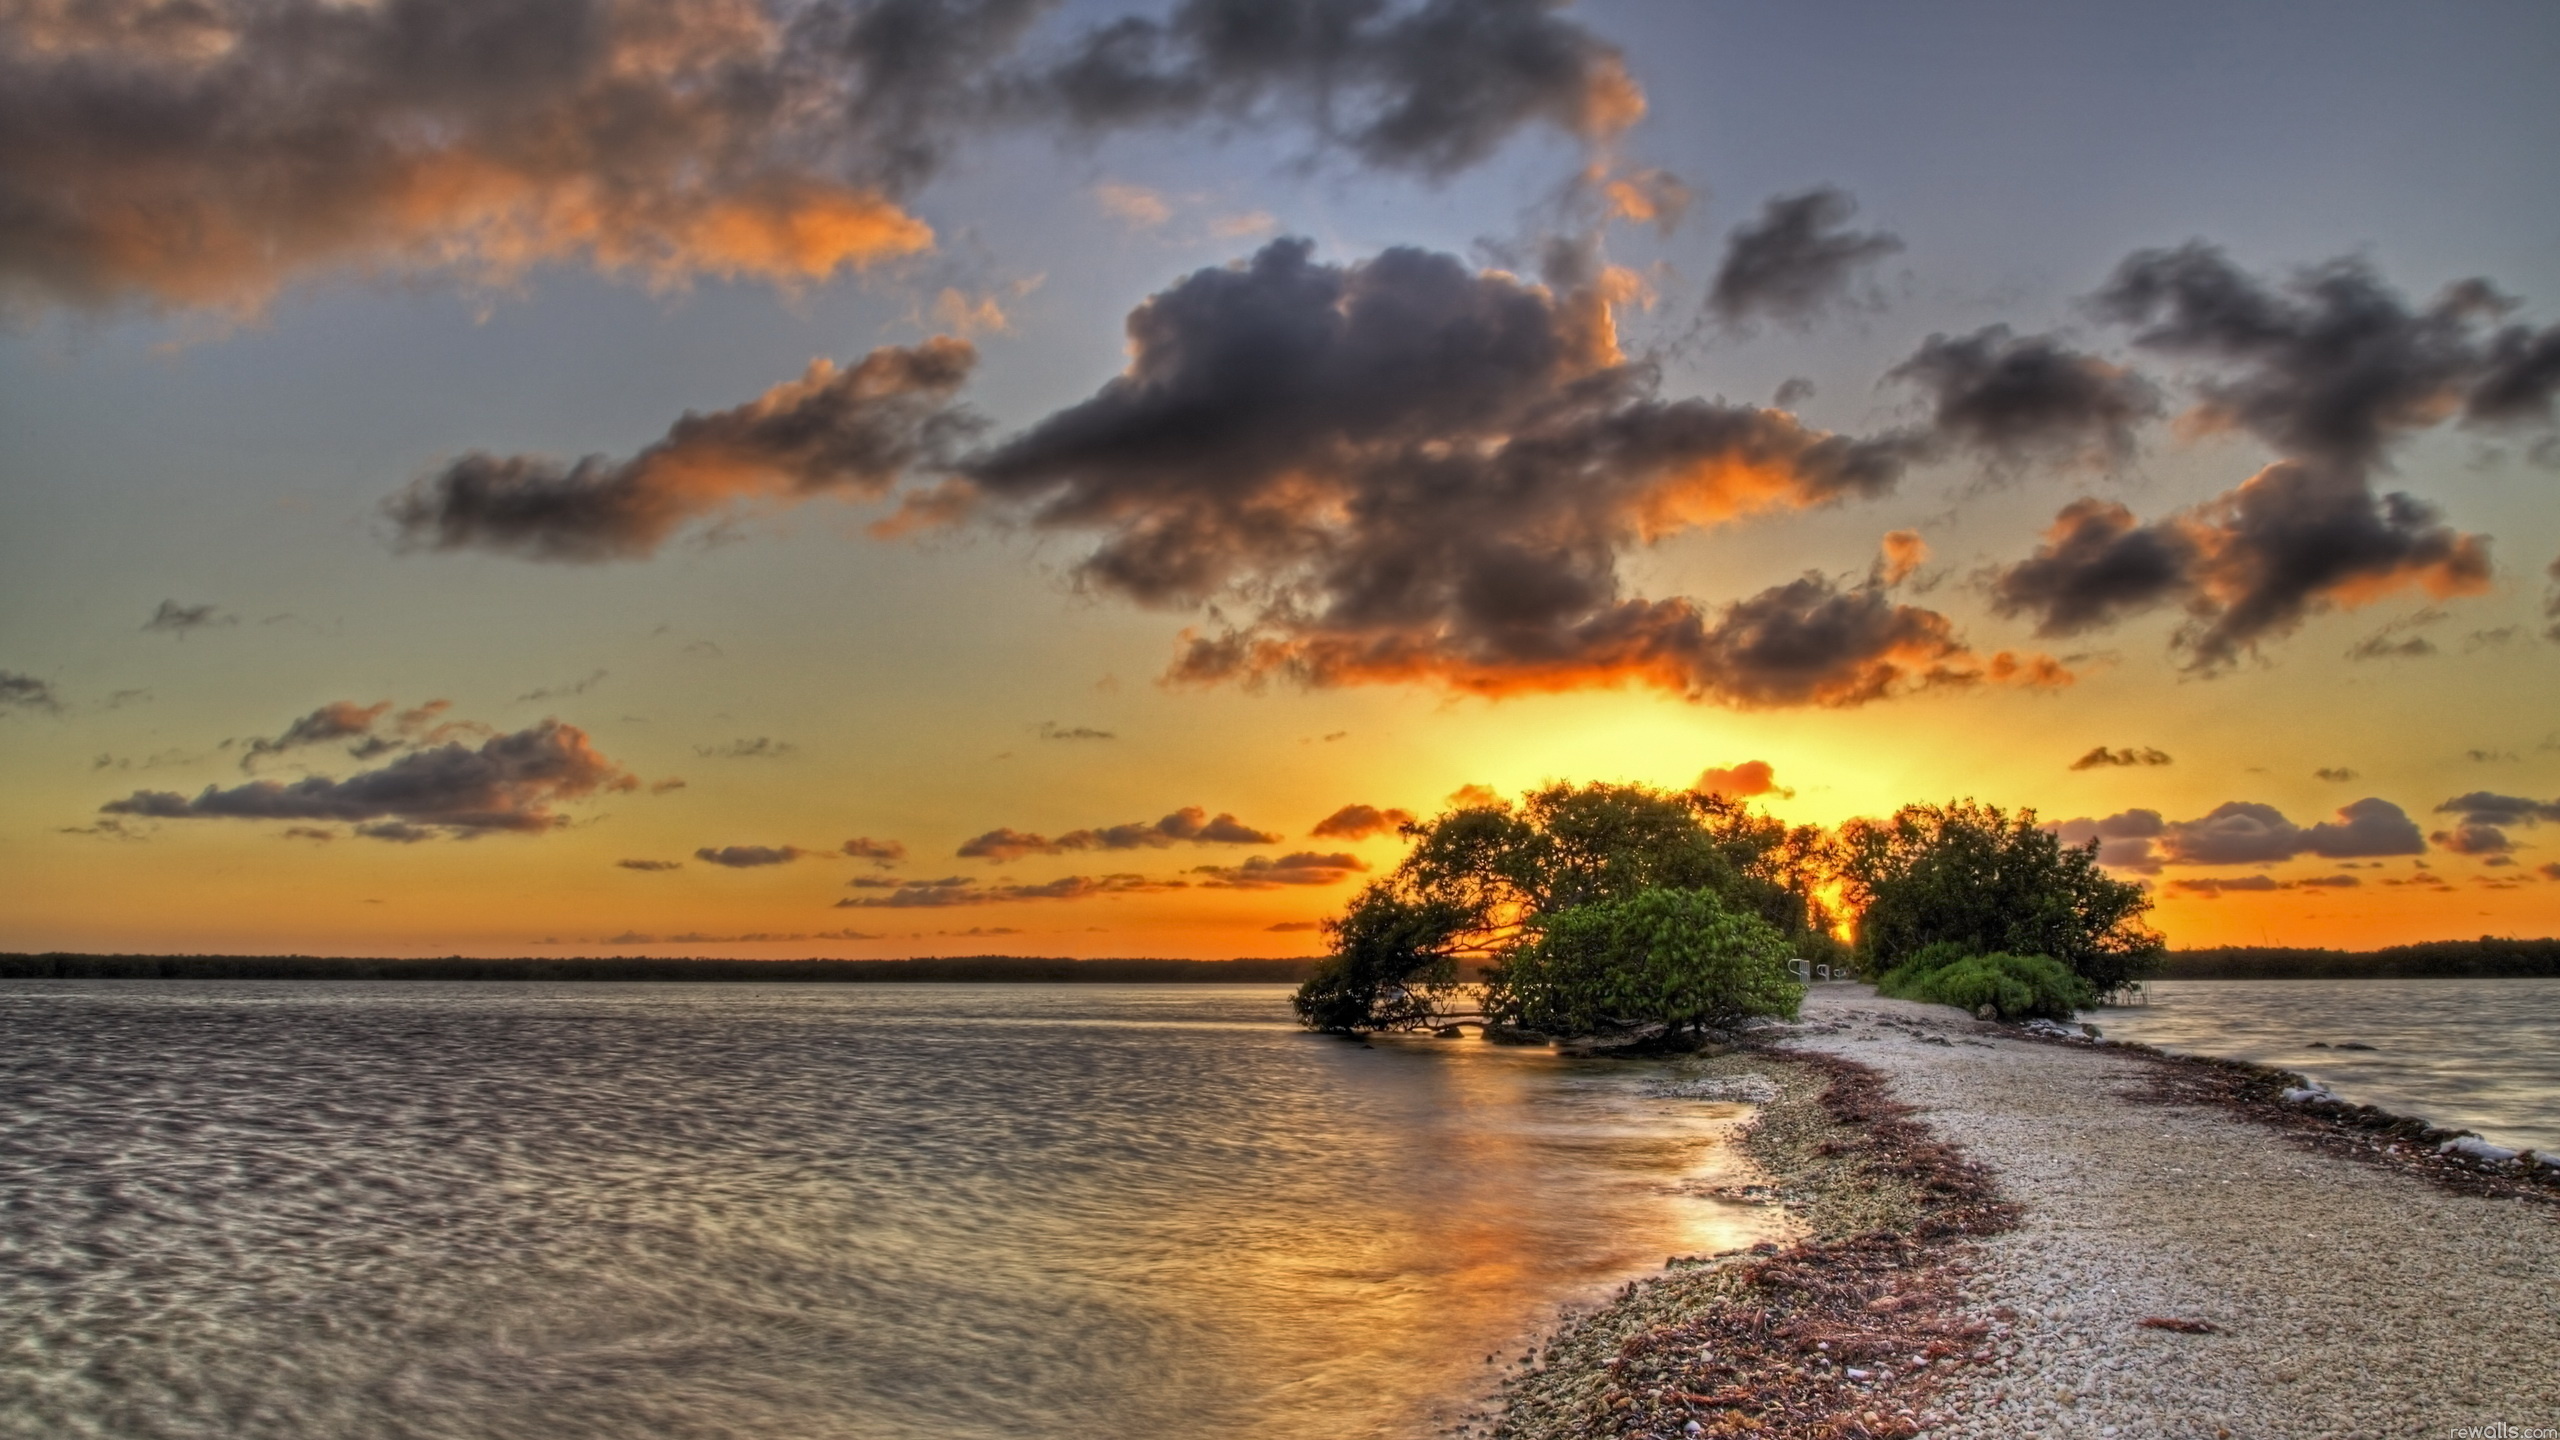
(716, 477)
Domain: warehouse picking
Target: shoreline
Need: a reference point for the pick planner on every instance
(2019, 1233)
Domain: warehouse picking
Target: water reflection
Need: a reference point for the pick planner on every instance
(464, 1211)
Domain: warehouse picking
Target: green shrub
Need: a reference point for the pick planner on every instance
(1686, 959)
(2018, 987)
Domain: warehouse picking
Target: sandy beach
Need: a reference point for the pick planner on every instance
(2110, 1243)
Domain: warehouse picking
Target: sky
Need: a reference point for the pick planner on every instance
(913, 477)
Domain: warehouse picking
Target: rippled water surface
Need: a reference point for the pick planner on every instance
(2478, 1054)
(355, 1210)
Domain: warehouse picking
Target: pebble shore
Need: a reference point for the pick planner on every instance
(2294, 1281)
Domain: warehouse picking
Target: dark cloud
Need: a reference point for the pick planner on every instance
(1293, 927)
(2551, 602)
(1052, 730)
(1190, 823)
(849, 432)
(956, 891)
(650, 866)
(2210, 887)
(375, 730)
(26, 692)
(509, 783)
(1796, 261)
(2473, 838)
(762, 747)
(1395, 470)
(309, 832)
(2100, 757)
(2124, 839)
(1304, 867)
(1751, 777)
(2517, 380)
(2365, 829)
(878, 852)
(750, 857)
(207, 153)
(2335, 774)
(1432, 89)
(2019, 399)
(398, 832)
(2249, 566)
(1404, 470)
(2483, 807)
(2332, 369)
(1359, 822)
(2242, 832)
(180, 620)
(335, 721)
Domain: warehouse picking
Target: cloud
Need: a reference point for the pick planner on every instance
(1431, 88)
(26, 692)
(2124, 839)
(182, 620)
(1795, 261)
(2472, 838)
(879, 852)
(847, 432)
(2214, 888)
(2242, 832)
(309, 832)
(509, 783)
(1304, 867)
(1135, 204)
(2210, 887)
(2332, 369)
(2335, 774)
(1359, 822)
(376, 729)
(209, 153)
(335, 721)
(2484, 807)
(2100, 757)
(650, 866)
(750, 857)
(2019, 399)
(559, 692)
(1472, 796)
(2548, 871)
(762, 747)
(1052, 730)
(957, 891)
(2249, 565)
(1751, 777)
(1294, 927)
(1655, 197)
(1190, 823)
(1402, 470)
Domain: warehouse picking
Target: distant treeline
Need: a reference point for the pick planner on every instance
(2487, 956)
(979, 969)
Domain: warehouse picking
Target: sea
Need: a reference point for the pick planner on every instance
(239, 1210)
(2479, 1055)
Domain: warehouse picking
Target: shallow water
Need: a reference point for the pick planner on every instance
(2473, 1054)
(430, 1210)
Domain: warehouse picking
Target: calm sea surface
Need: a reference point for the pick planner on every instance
(2475, 1054)
(351, 1210)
